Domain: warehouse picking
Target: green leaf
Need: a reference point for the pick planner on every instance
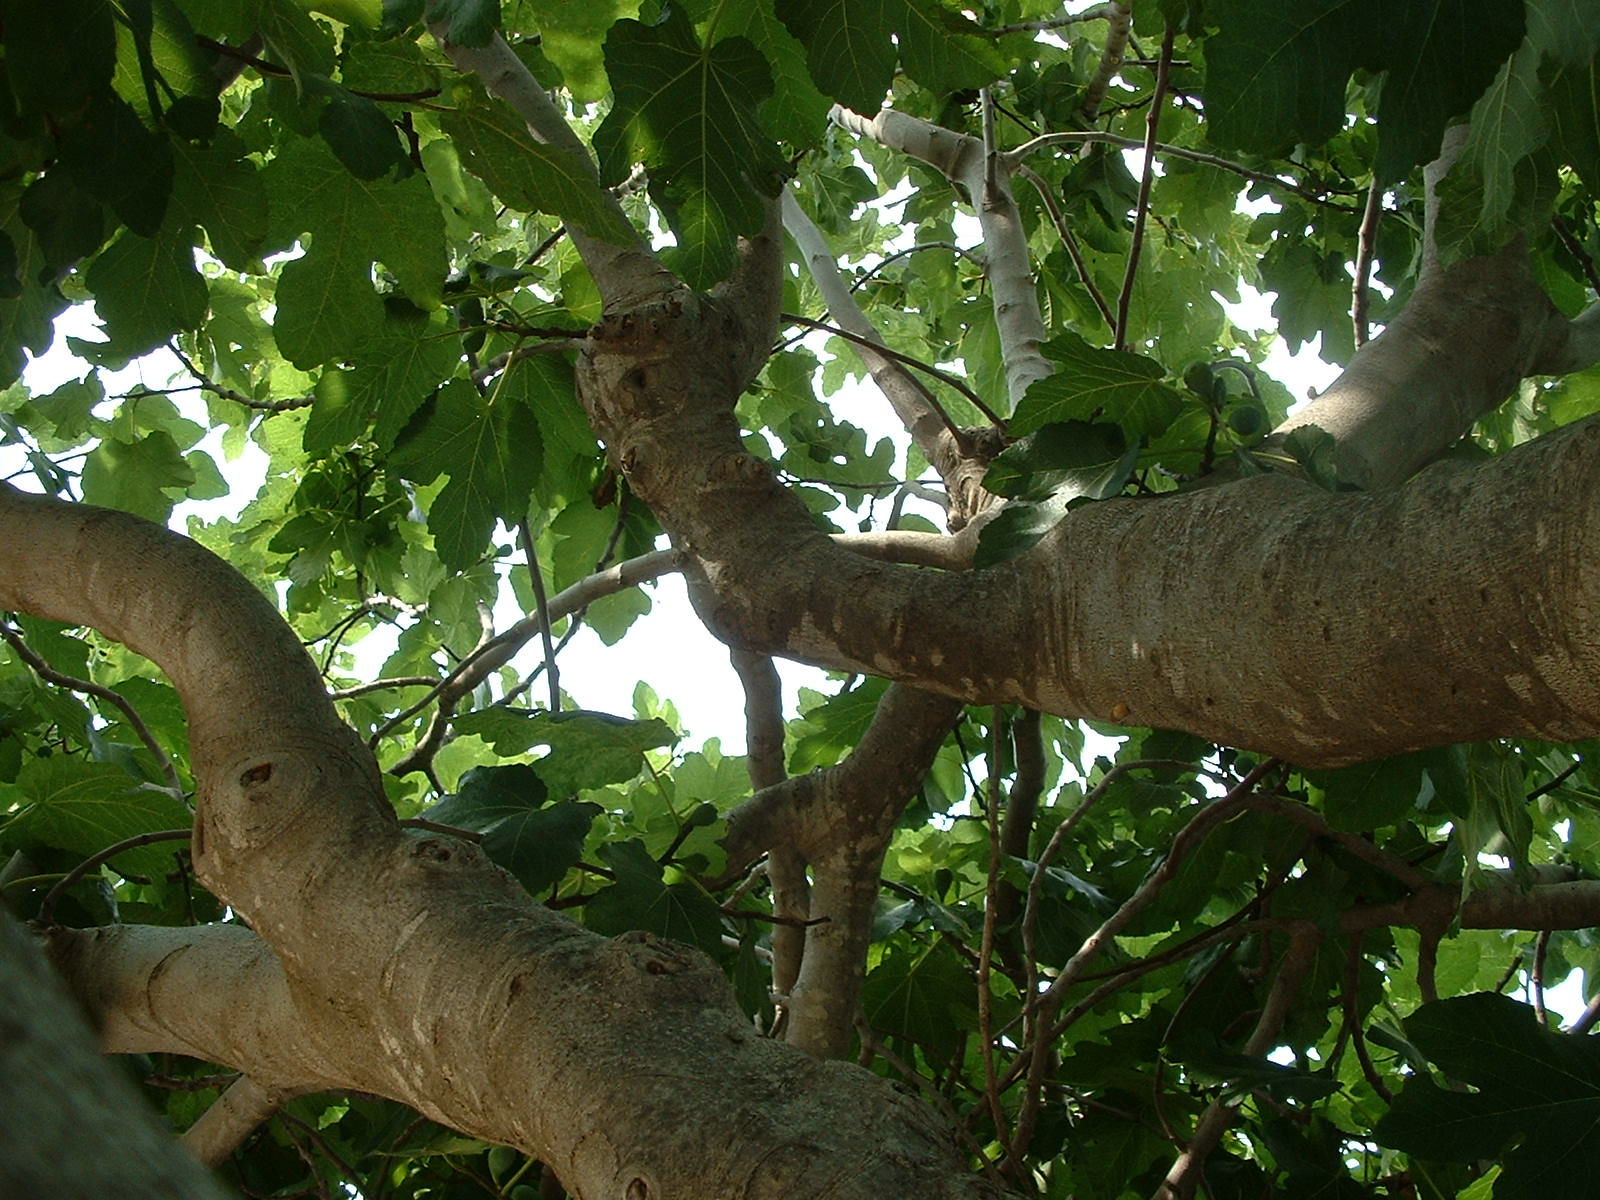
(923, 994)
(796, 112)
(1276, 73)
(393, 372)
(587, 749)
(1535, 1090)
(70, 223)
(84, 807)
(1093, 384)
(326, 305)
(1437, 70)
(496, 146)
(1370, 795)
(1064, 453)
(488, 795)
(852, 47)
(688, 113)
(472, 22)
(58, 55)
(146, 289)
(1312, 447)
(539, 846)
(1100, 473)
(490, 449)
(131, 475)
(114, 158)
(641, 899)
(217, 186)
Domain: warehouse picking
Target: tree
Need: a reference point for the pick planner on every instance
(505, 295)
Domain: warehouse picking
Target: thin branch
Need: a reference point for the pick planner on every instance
(929, 368)
(47, 906)
(1297, 960)
(1142, 211)
(1541, 947)
(1360, 294)
(1064, 232)
(1099, 12)
(1049, 1002)
(1166, 150)
(991, 913)
(542, 614)
(1575, 248)
(206, 384)
(87, 686)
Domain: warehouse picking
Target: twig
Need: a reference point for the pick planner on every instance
(1166, 150)
(1541, 947)
(1297, 961)
(1352, 1019)
(1099, 12)
(206, 384)
(47, 906)
(929, 368)
(1142, 212)
(1367, 240)
(1575, 248)
(135, 722)
(542, 613)
(986, 946)
(1064, 232)
(1049, 1003)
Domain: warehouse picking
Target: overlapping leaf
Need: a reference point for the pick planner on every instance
(496, 146)
(852, 47)
(688, 113)
(490, 449)
(1537, 1089)
(1093, 384)
(326, 303)
(82, 806)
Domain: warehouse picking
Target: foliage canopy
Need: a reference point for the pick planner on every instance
(366, 260)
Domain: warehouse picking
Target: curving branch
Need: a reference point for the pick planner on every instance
(985, 180)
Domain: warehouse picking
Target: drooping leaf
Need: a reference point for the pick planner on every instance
(688, 112)
(541, 845)
(642, 899)
(1532, 1087)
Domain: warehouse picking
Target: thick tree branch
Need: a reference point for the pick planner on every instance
(1408, 622)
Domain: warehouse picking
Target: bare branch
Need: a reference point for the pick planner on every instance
(1142, 210)
(1366, 243)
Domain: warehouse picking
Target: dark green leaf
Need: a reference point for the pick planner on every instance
(712, 175)
(1534, 1088)
(1093, 384)
(471, 22)
(641, 899)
